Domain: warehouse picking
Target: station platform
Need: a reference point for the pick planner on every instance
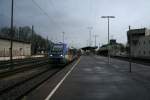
(94, 79)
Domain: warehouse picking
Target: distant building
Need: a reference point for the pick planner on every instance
(140, 42)
(113, 41)
(88, 50)
(20, 48)
(115, 49)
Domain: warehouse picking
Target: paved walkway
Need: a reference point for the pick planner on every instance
(94, 79)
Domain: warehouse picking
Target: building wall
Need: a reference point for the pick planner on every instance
(115, 50)
(142, 48)
(147, 33)
(4, 48)
(140, 43)
(19, 48)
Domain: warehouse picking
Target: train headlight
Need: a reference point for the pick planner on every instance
(61, 55)
(51, 55)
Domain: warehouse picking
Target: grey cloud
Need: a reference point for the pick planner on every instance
(74, 16)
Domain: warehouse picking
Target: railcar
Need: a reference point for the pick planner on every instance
(60, 54)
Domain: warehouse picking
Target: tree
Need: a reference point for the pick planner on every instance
(38, 43)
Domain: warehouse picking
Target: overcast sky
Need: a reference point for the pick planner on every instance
(74, 16)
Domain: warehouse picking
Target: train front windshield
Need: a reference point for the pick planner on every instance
(57, 49)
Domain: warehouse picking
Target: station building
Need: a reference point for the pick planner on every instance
(140, 42)
(20, 48)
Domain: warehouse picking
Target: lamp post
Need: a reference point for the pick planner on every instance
(108, 17)
(63, 33)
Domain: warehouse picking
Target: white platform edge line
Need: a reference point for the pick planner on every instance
(58, 85)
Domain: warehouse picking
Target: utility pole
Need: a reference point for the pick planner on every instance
(32, 29)
(130, 58)
(95, 36)
(63, 33)
(32, 48)
(87, 42)
(108, 17)
(63, 37)
(90, 32)
(11, 32)
(20, 30)
(32, 32)
(99, 45)
(18, 34)
(47, 45)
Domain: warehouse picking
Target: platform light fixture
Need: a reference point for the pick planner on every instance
(108, 17)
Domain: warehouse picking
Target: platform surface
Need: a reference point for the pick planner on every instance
(94, 79)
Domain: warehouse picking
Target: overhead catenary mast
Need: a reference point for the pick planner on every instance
(11, 32)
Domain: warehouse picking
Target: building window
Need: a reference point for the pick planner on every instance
(144, 42)
(149, 41)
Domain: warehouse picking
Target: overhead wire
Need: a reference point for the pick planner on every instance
(45, 13)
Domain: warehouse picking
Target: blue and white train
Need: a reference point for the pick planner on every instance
(60, 54)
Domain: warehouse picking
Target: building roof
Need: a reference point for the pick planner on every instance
(140, 31)
(4, 38)
(89, 48)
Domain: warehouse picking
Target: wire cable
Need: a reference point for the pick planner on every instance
(45, 13)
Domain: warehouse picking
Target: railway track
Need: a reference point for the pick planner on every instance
(21, 88)
(8, 64)
(17, 89)
(22, 68)
(13, 87)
